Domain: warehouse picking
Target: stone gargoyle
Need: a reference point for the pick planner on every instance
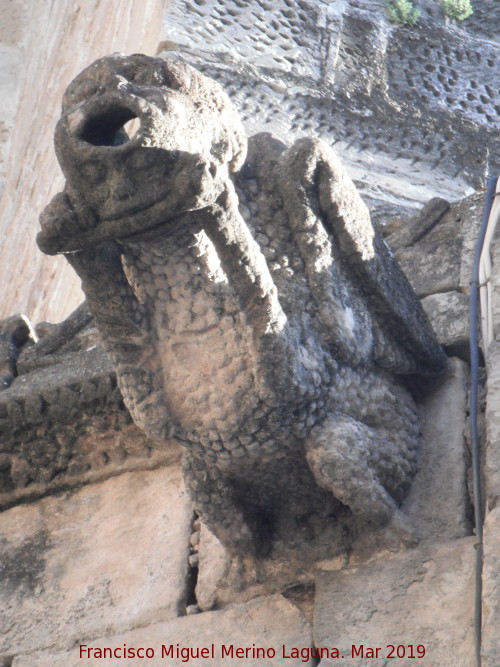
(250, 308)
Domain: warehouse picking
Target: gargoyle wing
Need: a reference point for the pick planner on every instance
(374, 310)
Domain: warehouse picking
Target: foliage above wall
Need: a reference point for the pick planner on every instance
(402, 12)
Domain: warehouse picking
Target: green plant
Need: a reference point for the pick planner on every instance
(402, 12)
(457, 9)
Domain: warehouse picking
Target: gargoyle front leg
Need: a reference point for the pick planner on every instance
(252, 283)
(124, 325)
(356, 463)
(118, 313)
(110, 296)
(120, 317)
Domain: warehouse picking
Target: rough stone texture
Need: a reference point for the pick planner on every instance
(15, 331)
(419, 225)
(269, 622)
(64, 423)
(438, 502)
(13, 15)
(406, 108)
(250, 308)
(449, 314)
(435, 248)
(492, 457)
(441, 260)
(495, 286)
(106, 558)
(213, 566)
(39, 53)
(422, 597)
(491, 582)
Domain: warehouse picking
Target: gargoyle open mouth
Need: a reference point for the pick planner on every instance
(108, 128)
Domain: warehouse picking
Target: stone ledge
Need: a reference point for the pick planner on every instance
(65, 425)
(422, 597)
(268, 622)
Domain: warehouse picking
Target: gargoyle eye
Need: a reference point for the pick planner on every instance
(145, 158)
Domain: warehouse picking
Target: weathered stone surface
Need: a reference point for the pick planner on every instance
(495, 288)
(214, 564)
(64, 424)
(433, 264)
(106, 558)
(424, 597)
(250, 307)
(440, 260)
(265, 623)
(492, 458)
(419, 225)
(467, 215)
(13, 15)
(449, 316)
(438, 263)
(15, 331)
(405, 107)
(438, 503)
(42, 46)
(491, 583)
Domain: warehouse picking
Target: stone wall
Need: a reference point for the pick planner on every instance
(99, 544)
(413, 112)
(42, 50)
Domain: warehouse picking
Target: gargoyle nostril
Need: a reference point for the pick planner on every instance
(110, 128)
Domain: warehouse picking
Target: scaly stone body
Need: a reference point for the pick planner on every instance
(249, 307)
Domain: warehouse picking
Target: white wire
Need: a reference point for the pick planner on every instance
(485, 287)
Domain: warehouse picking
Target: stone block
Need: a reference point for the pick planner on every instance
(491, 584)
(268, 623)
(432, 265)
(421, 598)
(105, 558)
(418, 225)
(449, 316)
(492, 458)
(214, 565)
(438, 503)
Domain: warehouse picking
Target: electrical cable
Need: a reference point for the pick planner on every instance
(474, 400)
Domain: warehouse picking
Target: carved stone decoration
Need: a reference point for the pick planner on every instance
(250, 308)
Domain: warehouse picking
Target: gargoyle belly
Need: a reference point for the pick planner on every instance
(207, 383)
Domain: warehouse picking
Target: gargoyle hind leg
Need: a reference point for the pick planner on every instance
(214, 501)
(350, 459)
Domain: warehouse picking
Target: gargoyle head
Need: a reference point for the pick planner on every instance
(188, 138)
